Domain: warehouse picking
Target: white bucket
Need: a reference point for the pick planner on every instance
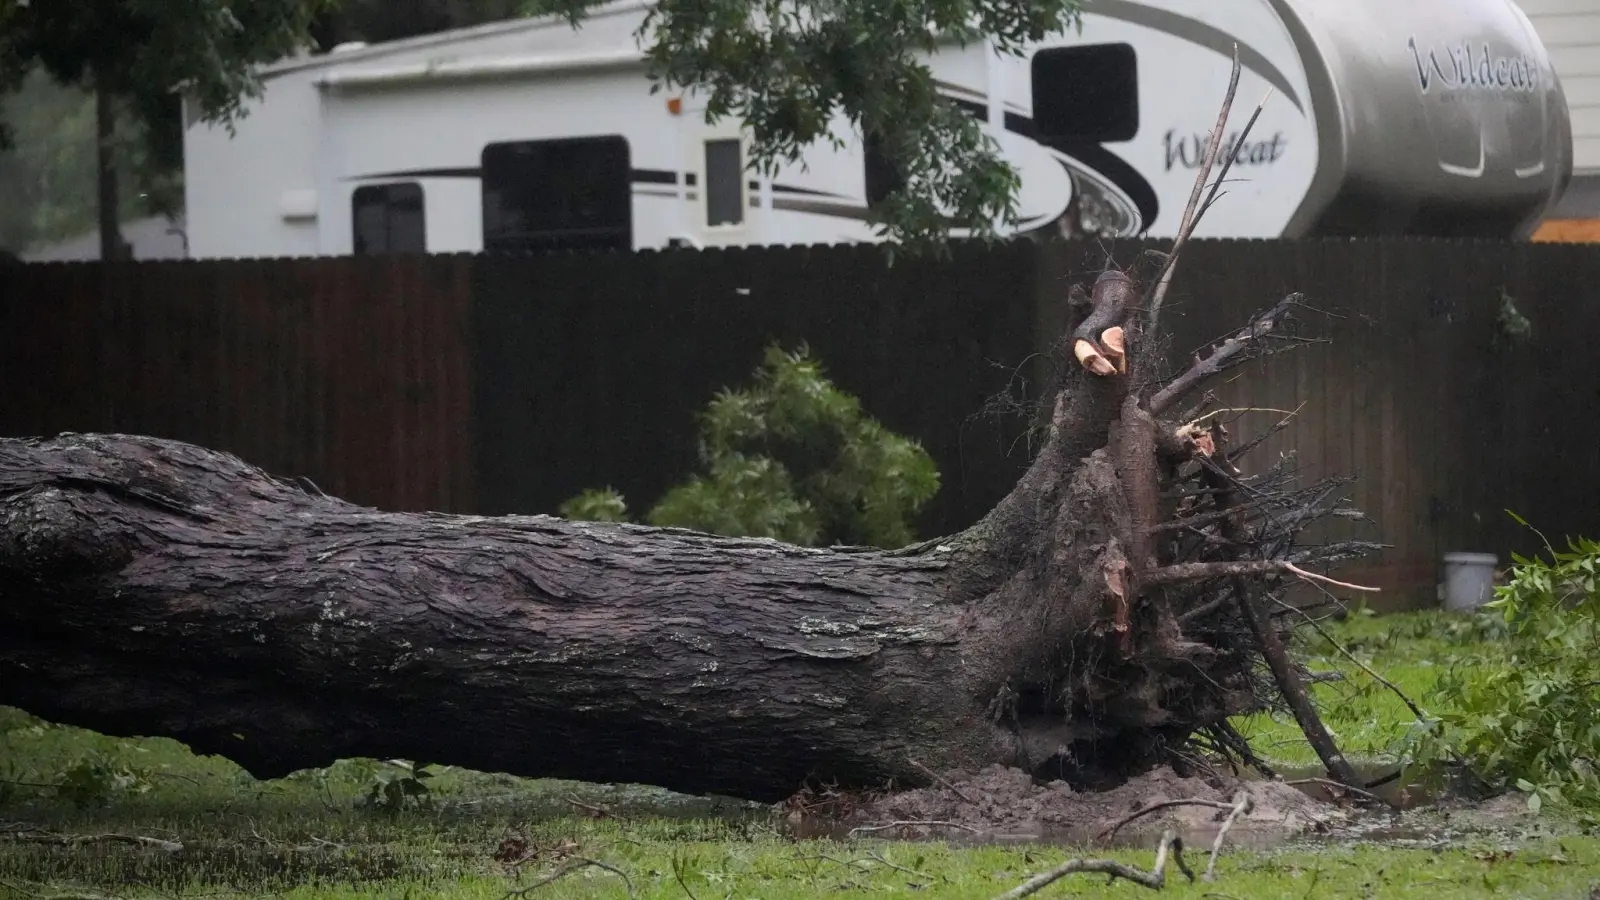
(1468, 580)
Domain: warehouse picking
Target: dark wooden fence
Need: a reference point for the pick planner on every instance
(496, 384)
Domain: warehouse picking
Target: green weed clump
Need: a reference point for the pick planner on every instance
(1531, 718)
(794, 458)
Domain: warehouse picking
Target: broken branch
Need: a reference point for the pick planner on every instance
(1271, 646)
(573, 864)
(1181, 572)
(911, 823)
(1330, 783)
(1155, 879)
(78, 840)
(947, 783)
(1157, 807)
(1202, 369)
(1393, 688)
(1242, 804)
(1228, 163)
(1192, 212)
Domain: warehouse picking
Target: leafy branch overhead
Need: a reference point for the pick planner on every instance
(144, 50)
(789, 69)
(794, 458)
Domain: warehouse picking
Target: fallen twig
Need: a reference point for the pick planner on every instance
(77, 840)
(1242, 804)
(573, 864)
(1155, 879)
(874, 857)
(1157, 807)
(910, 823)
(1329, 782)
(600, 811)
(898, 868)
(21, 891)
(947, 783)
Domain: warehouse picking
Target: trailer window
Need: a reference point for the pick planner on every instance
(882, 176)
(1088, 92)
(388, 218)
(724, 182)
(566, 193)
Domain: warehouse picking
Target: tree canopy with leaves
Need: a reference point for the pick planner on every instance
(139, 54)
(787, 68)
(146, 50)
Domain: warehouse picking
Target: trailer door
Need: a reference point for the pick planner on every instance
(724, 208)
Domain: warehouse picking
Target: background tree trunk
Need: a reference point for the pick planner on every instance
(108, 206)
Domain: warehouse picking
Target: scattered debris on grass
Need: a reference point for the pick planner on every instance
(1007, 801)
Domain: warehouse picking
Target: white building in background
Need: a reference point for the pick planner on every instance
(151, 238)
(1570, 32)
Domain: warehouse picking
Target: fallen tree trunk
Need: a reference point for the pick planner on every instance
(1101, 619)
(155, 588)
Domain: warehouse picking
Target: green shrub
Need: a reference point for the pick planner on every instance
(794, 458)
(1532, 718)
(604, 505)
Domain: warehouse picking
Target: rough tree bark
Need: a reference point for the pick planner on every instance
(156, 588)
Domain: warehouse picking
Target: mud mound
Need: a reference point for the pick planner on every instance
(1000, 800)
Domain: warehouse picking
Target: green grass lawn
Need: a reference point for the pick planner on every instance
(1369, 721)
(482, 835)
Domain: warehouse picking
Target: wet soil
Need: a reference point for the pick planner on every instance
(999, 803)
(1003, 805)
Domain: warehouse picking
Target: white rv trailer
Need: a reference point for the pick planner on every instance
(1434, 117)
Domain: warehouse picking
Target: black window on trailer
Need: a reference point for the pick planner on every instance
(1086, 92)
(725, 182)
(559, 194)
(389, 218)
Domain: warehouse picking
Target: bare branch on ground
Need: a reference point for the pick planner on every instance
(1155, 879)
(910, 823)
(573, 864)
(1242, 804)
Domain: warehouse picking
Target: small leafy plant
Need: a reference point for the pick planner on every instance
(395, 783)
(790, 457)
(1533, 719)
(387, 786)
